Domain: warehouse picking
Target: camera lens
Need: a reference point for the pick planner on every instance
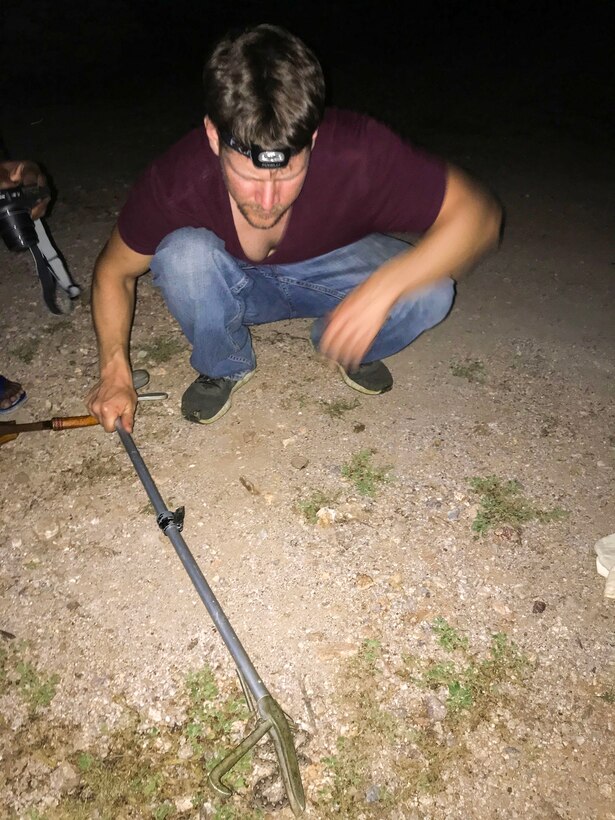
(17, 229)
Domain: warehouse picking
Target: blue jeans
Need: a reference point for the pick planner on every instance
(216, 297)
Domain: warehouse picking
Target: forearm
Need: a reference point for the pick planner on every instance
(113, 301)
(454, 244)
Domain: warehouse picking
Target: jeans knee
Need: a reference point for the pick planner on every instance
(424, 311)
(183, 251)
(439, 301)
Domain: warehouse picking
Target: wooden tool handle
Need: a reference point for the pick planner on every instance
(70, 422)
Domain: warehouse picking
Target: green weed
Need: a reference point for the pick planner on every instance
(336, 409)
(448, 638)
(475, 685)
(363, 474)
(318, 499)
(501, 502)
(27, 350)
(162, 350)
(471, 369)
(36, 688)
(608, 696)
(142, 774)
(415, 759)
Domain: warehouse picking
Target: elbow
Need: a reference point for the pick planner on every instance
(492, 223)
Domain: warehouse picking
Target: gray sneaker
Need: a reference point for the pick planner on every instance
(372, 378)
(207, 399)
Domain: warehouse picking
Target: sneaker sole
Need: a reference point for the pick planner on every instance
(226, 407)
(359, 387)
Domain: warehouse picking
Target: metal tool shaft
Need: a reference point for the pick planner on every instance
(233, 644)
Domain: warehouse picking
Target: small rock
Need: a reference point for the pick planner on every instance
(46, 528)
(191, 644)
(21, 478)
(64, 779)
(358, 428)
(72, 605)
(183, 804)
(372, 795)
(155, 715)
(501, 608)
(326, 516)
(435, 709)
(606, 790)
(538, 607)
(362, 580)
(299, 462)
(453, 514)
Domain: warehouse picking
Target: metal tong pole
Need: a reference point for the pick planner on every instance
(272, 717)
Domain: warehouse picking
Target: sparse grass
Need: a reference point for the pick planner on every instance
(475, 684)
(143, 773)
(57, 327)
(27, 350)
(608, 696)
(414, 760)
(163, 349)
(448, 637)
(36, 688)
(501, 502)
(363, 474)
(336, 409)
(318, 499)
(471, 369)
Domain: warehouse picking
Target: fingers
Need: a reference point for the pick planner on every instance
(350, 331)
(109, 401)
(39, 209)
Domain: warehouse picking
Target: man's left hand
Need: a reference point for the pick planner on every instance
(355, 323)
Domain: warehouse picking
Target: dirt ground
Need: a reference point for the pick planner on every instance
(371, 617)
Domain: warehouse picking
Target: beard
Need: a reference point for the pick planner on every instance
(259, 219)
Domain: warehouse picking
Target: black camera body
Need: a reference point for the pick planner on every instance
(16, 223)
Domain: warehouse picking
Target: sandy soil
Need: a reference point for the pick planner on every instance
(339, 616)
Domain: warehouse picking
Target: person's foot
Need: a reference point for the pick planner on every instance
(207, 399)
(12, 396)
(372, 378)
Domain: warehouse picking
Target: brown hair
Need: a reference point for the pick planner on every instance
(264, 86)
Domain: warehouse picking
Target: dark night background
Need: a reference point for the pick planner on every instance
(420, 66)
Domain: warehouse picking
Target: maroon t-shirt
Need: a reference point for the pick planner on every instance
(362, 179)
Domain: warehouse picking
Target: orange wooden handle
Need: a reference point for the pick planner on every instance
(70, 422)
(5, 437)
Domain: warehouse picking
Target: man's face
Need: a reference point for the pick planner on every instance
(262, 195)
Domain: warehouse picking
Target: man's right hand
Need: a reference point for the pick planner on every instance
(111, 399)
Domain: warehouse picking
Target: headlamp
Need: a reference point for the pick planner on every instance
(261, 157)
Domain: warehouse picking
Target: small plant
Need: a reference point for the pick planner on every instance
(162, 350)
(448, 637)
(472, 369)
(502, 503)
(363, 474)
(336, 409)
(27, 350)
(57, 327)
(608, 696)
(476, 685)
(318, 499)
(36, 689)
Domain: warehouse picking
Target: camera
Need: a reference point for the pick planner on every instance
(16, 224)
